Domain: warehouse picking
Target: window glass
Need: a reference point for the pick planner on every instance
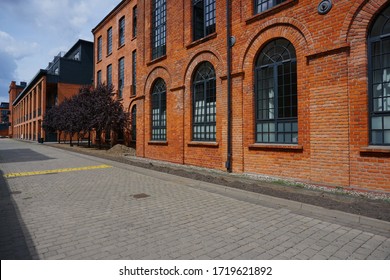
(379, 79)
(204, 103)
(276, 97)
(159, 112)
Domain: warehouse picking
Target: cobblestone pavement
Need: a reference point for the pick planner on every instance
(125, 212)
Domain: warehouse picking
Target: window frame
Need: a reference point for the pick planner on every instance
(134, 72)
(204, 130)
(203, 12)
(159, 28)
(134, 123)
(99, 50)
(99, 77)
(109, 41)
(383, 116)
(259, 3)
(276, 124)
(121, 76)
(109, 74)
(135, 16)
(159, 103)
(121, 31)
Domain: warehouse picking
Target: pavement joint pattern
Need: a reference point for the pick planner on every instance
(93, 215)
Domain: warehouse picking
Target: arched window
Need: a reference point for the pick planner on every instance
(159, 112)
(276, 93)
(379, 79)
(204, 103)
(134, 123)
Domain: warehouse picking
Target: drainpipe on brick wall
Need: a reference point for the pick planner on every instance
(228, 163)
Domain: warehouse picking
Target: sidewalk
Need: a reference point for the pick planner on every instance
(365, 208)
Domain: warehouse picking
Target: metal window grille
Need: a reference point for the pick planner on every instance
(204, 103)
(135, 14)
(109, 74)
(159, 114)
(121, 76)
(159, 28)
(276, 99)
(122, 31)
(109, 40)
(203, 18)
(379, 79)
(99, 48)
(263, 5)
(134, 72)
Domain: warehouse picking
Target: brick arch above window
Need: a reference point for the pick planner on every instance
(197, 59)
(158, 72)
(291, 29)
(360, 17)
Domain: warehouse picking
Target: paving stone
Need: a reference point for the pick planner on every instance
(93, 215)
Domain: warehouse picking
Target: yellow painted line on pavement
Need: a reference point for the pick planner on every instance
(52, 171)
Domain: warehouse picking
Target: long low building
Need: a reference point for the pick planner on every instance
(61, 79)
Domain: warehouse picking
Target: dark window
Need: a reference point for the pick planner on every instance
(121, 76)
(122, 31)
(99, 48)
(134, 72)
(203, 18)
(276, 93)
(99, 78)
(263, 5)
(159, 112)
(109, 41)
(159, 18)
(135, 21)
(379, 79)
(204, 103)
(134, 123)
(109, 74)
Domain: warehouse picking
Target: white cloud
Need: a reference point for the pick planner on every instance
(33, 31)
(17, 49)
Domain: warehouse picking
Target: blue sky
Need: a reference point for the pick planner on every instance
(32, 32)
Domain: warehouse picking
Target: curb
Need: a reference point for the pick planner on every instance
(294, 205)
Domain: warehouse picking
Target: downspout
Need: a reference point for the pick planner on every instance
(228, 163)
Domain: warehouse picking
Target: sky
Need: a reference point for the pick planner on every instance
(32, 32)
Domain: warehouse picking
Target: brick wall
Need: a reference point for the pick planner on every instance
(331, 52)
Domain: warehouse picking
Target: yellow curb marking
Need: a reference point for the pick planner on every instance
(42, 172)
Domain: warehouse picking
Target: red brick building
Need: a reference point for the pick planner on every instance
(61, 79)
(307, 84)
(115, 51)
(4, 119)
(14, 91)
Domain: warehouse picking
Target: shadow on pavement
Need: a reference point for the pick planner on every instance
(14, 236)
(21, 155)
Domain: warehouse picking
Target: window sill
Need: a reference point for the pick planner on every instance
(120, 47)
(271, 11)
(276, 147)
(201, 40)
(158, 143)
(203, 144)
(161, 58)
(383, 151)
